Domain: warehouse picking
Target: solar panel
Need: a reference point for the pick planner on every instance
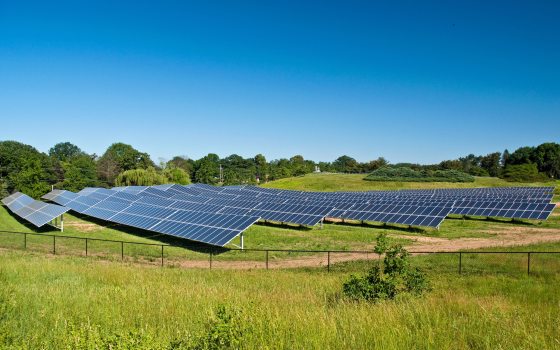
(36, 212)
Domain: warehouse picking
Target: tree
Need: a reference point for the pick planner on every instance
(120, 157)
(523, 173)
(177, 176)
(140, 177)
(547, 158)
(375, 164)
(80, 171)
(25, 169)
(207, 169)
(261, 166)
(505, 158)
(63, 151)
(522, 155)
(182, 162)
(491, 163)
(345, 164)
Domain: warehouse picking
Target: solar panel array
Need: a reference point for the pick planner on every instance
(36, 212)
(215, 215)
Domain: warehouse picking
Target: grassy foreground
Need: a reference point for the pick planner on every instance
(75, 303)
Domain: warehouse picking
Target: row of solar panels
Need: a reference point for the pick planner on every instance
(36, 212)
(215, 215)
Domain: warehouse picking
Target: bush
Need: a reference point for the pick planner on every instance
(523, 173)
(387, 278)
(409, 174)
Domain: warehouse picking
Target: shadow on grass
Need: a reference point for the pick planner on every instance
(496, 220)
(378, 227)
(284, 225)
(161, 238)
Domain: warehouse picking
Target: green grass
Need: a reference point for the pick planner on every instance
(58, 303)
(356, 182)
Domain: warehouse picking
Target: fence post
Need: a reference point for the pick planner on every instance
(460, 262)
(267, 259)
(54, 244)
(122, 250)
(162, 255)
(328, 261)
(86, 247)
(528, 263)
(25, 241)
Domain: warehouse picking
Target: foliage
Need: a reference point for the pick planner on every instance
(177, 175)
(141, 177)
(79, 172)
(121, 157)
(25, 169)
(63, 151)
(387, 280)
(408, 174)
(224, 331)
(523, 173)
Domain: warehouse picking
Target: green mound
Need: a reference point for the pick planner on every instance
(407, 174)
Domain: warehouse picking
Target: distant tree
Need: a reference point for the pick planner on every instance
(140, 177)
(177, 175)
(523, 173)
(207, 169)
(63, 151)
(547, 158)
(345, 164)
(375, 164)
(25, 169)
(120, 157)
(491, 163)
(261, 167)
(182, 162)
(80, 171)
(505, 158)
(522, 155)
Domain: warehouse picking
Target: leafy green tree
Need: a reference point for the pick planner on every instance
(177, 175)
(523, 173)
(345, 164)
(547, 157)
(261, 167)
(63, 151)
(80, 171)
(522, 155)
(25, 169)
(491, 163)
(184, 163)
(141, 177)
(375, 164)
(207, 169)
(120, 157)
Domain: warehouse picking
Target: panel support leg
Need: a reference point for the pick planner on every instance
(62, 223)
(241, 240)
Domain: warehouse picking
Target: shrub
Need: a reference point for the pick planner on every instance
(409, 174)
(387, 278)
(523, 173)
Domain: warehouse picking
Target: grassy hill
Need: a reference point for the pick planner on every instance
(356, 182)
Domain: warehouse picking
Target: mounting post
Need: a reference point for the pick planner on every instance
(61, 222)
(241, 240)
(321, 224)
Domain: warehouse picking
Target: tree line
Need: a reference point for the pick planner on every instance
(24, 168)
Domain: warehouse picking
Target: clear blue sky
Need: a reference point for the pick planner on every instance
(413, 81)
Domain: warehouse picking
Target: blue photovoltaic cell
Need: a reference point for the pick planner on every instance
(36, 212)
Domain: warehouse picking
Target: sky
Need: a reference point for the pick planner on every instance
(412, 81)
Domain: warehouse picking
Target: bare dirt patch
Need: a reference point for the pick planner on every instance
(83, 226)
